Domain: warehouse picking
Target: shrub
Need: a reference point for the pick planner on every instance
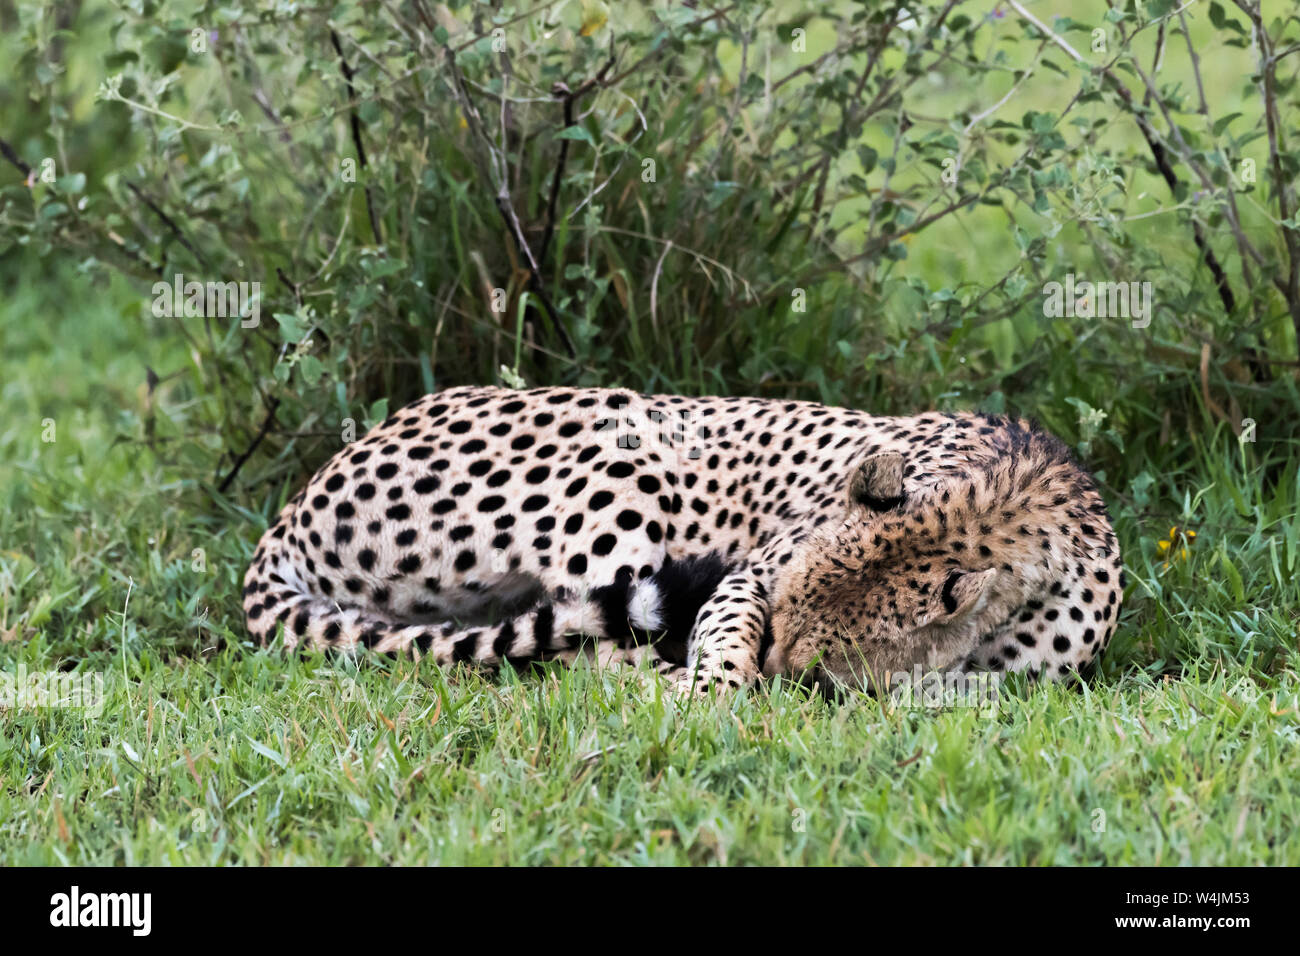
(857, 203)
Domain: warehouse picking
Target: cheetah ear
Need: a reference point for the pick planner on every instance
(877, 482)
(963, 592)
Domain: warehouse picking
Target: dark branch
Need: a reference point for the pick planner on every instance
(168, 222)
(569, 97)
(502, 200)
(355, 123)
(272, 405)
(8, 152)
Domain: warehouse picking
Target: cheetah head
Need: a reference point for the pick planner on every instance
(898, 583)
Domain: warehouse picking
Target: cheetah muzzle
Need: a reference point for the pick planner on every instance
(716, 539)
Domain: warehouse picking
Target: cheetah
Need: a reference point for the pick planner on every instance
(718, 539)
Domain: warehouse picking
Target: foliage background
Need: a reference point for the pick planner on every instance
(798, 160)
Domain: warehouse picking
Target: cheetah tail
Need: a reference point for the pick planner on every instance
(659, 610)
(304, 620)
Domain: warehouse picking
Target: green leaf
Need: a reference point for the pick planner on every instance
(868, 158)
(1234, 578)
(378, 412)
(311, 368)
(1223, 123)
(267, 752)
(576, 132)
(292, 328)
(379, 268)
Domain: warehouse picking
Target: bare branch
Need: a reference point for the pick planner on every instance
(1282, 189)
(272, 405)
(568, 97)
(502, 199)
(1154, 144)
(355, 123)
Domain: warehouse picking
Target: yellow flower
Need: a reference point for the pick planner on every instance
(1176, 544)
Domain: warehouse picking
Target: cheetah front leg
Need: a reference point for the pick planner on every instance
(724, 646)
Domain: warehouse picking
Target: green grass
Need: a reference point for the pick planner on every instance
(1183, 749)
(245, 758)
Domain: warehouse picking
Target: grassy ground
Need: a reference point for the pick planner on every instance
(1183, 749)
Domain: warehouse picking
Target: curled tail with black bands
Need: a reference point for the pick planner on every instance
(633, 618)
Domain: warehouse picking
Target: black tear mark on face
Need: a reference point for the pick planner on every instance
(949, 599)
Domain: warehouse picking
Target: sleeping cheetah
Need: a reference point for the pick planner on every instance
(719, 538)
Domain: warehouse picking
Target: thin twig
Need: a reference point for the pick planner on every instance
(272, 405)
(10, 154)
(1157, 149)
(1290, 286)
(569, 98)
(498, 175)
(168, 222)
(355, 122)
